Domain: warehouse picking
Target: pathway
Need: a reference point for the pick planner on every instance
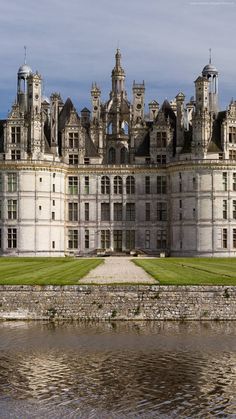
(117, 270)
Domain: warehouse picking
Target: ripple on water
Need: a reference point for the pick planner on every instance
(142, 370)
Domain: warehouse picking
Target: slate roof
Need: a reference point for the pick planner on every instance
(90, 149)
(65, 114)
(215, 143)
(144, 148)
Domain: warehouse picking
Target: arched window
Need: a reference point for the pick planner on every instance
(118, 187)
(125, 127)
(105, 185)
(112, 156)
(130, 185)
(109, 128)
(123, 155)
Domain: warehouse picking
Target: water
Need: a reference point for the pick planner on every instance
(117, 370)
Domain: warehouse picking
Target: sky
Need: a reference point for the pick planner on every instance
(72, 43)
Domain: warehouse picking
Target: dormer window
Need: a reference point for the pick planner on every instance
(15, 135)
(232, 135)
(161, 139)
(73, 139)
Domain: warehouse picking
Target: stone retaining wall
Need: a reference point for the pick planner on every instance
(118, 302)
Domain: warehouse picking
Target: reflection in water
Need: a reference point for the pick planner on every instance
(119, 370)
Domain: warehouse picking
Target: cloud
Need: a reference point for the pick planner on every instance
(73, 43)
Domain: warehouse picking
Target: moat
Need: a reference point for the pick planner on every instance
(117, 370)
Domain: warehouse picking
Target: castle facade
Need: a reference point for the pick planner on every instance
(115, 179)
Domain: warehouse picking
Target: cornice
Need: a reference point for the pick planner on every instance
(173, 167)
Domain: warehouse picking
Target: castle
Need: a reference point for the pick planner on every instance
(115, 178)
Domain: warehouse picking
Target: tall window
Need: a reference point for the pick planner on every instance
(117, 240)
(224, 238)
(15, 135)
(123, 155)
(117, 211)
(234, 209)
(130, 185)
(118, 187)
(161, 184)
(147, 211)
(73, 159)
(161, 139)
(130, 211)
(147, 185)
(12, 238)
(12, 209)
(105, 185)
(1, 183)
(130, 239)
(224, 209)
(11, 182)
(161, 239)
(224, 181)
(73, 211)
(147, 239)
(105, 211)
(112, 156)
(234, 181)
(73, 185)
(86, 185)
(232, 135)
(86, 239)
(234, 237)
(73, 239)
(161, 211)
(86, 211)
(73, 139)
(105, 239)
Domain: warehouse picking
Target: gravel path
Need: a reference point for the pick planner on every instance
(117, 270)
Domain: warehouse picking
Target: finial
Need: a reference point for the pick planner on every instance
(209, 55)
(25, 48)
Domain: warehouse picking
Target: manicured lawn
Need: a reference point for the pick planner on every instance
(44, 271)
(191, 271)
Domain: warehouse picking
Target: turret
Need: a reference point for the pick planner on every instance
(180, 120)
(153, 110)
(22, 76)
(211, 74)
(118, 77)
(55, 101)
(96, 102)
(138, 101)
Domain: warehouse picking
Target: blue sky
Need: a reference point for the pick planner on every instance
(72, 43)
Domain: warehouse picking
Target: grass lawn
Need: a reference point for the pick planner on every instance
(191, 271)
(44, 271)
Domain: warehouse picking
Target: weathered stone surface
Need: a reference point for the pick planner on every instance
(118, 302)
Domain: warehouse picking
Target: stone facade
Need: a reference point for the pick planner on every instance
(86, 302)
(115, 178)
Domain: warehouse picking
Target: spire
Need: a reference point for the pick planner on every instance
(118, 58)
(209, 55)
(25, 48)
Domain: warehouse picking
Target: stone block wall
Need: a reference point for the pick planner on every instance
(118, 302)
